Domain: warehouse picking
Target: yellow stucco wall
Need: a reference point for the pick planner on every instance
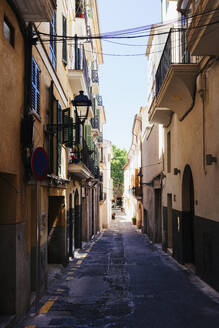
(11, 94)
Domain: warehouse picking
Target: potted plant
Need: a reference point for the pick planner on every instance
(134, 220)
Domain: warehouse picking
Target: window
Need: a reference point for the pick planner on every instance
(8, 31)
(52, 48)
(64, 44)
(35, 87)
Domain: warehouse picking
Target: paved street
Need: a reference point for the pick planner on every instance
(121, 280)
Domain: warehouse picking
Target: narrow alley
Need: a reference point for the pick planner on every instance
(121, 280)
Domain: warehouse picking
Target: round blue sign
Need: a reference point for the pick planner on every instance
(40, 163)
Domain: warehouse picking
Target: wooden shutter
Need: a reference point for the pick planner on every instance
(33, 84)
(53, 40)
(89, 137)
(37, 90)
(78, 59)
(35, 87)
(64, 44)
(67, 132)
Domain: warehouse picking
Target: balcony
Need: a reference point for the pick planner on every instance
(95, 81)
(79, 9)
(202, 41)
(100, 138)
(36, 11)
(95, 124)
(82, 163)
(99, 100)
(78, 72)
(175, 80)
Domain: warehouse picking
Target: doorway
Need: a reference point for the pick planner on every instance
(157, 228)
(170, 223)
(78, 225)
(145, 226)
(188, 231)
(70, 228)
(56, 229)
(92, 228)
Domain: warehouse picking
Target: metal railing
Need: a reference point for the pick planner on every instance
(174, 53)
(95, 77)
(100, 137)
(82, 153)
(95, 123)
(99, 100)
(77, 61)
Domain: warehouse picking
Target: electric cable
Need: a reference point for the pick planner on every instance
(120, 34)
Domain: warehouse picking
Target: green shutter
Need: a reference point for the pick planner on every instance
(67, 131)
(89, 137)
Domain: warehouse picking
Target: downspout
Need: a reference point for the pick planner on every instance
(202, 93)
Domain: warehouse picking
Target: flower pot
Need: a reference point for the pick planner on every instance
(134, 220)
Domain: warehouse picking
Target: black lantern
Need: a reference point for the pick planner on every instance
(81, 103)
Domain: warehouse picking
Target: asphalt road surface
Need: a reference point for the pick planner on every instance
(121, 280)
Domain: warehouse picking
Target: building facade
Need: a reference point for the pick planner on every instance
(51, 217)
(132, 196)
(107, 189)
(185, 104)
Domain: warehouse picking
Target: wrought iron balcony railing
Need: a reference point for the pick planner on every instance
(81, 153)
(100, 137)
(174, 53)
(77, 61)
(95, 77)
(99, 100)
(95, 123)
(79, 9)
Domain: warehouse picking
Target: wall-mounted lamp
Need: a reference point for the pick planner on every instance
(210, 159)
(176, 171)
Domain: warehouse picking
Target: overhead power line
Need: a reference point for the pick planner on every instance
(127, 34)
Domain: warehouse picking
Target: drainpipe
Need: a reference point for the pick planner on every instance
(202, 92)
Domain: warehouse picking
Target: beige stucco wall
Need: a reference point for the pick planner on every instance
(187, 148)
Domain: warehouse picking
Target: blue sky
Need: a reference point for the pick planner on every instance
(123, 79)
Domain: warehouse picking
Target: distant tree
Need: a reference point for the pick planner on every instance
(117, 163)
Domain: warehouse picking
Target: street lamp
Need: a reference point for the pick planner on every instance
(81, 103)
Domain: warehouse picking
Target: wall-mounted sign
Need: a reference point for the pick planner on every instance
(40, 163)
